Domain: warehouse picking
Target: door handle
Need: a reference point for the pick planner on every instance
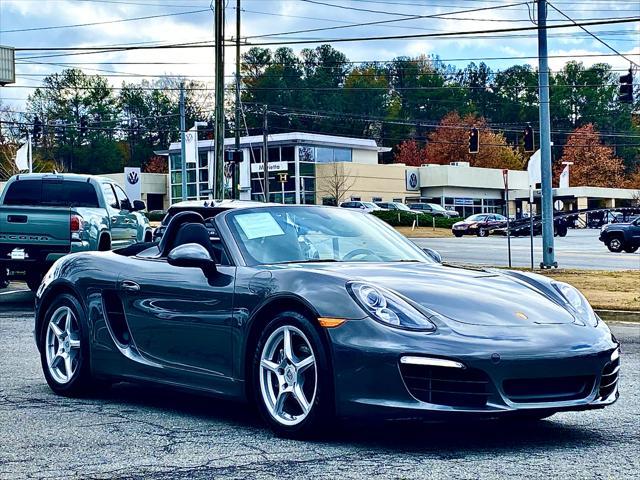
(114, 219)
(129, 286)
(128, 221)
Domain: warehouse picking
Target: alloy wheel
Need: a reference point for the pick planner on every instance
(62, 347)
(615, 245)
(288, 375)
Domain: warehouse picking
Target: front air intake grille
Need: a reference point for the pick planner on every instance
(609, 378)
(455, 387)
(553, 389)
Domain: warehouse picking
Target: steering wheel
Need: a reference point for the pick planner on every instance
(361, 252)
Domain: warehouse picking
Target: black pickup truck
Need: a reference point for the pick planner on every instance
(621, 236)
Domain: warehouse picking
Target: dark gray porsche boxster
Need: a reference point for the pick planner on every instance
(315, 312)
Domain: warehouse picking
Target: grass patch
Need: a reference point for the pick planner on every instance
(607, 290)
(425, 232)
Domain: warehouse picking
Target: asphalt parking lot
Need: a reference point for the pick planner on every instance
(580, 249)
(141, 432)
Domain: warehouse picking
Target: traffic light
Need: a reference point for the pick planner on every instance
(84, 126)
(37, 127)
(626, 88)
(528, 139)
(474, 140)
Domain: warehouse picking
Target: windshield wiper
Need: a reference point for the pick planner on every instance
(311, 260)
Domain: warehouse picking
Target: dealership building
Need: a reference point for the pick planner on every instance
(305, 168)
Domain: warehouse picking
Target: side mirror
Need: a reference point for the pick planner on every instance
(126, 205)
(192, 255)
(435, 256)
(139, 205)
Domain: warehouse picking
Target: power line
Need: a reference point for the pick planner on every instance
(412, 17)
(593, 35)
(335, 40)
(106, 22)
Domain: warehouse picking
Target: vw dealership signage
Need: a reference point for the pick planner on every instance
(412, 179)
(132, 181)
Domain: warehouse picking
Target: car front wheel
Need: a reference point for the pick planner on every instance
(64, 347)
(483, 232)
(291, 380)
(457, 233)
(614, 244)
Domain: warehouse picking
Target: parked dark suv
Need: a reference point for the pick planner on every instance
(621, 236)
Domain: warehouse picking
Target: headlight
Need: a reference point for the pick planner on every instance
(576, 303)
(389, 308)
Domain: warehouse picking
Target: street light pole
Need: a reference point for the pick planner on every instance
(183, 146)
(219, 103)
(234, 166)
(548, 260)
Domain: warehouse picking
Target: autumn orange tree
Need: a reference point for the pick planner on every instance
(450, 143)
(594, 164)
(410, 153)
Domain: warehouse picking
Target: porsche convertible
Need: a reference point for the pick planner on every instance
(313, 313)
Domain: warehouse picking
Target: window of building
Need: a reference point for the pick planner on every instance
(376, 199)
(397, 200)
(341, 154)
(356, 199)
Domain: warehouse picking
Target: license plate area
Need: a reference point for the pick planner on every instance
(18, 254)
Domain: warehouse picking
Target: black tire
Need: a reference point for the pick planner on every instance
(147, 237)
(81, 382)
(33, 281)
(104, 244)
(321, 411)
(483, 232)
(630, 249)
(457, 233)
(4, 283)
(615, 244)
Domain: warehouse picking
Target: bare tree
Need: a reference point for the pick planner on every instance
(336, 183)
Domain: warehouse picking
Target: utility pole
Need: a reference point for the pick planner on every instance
(219, 107)
(183, 147)
(265, 152)
(234, 165)
(548, 259)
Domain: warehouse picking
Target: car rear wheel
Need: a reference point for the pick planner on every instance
(291, 380)
(33, 281)
(64, 349)
(614, 244)
(483, 232)
(630, 249)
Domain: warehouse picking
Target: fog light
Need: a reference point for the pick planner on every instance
(431, 362)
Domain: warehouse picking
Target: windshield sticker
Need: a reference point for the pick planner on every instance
(258, 225)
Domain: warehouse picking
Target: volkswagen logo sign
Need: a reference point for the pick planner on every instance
(413, 180)
(133, 178)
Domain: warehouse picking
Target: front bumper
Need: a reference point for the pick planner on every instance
(505, 372)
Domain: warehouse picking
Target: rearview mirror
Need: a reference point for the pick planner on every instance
(192, 255)
(435, 256)
(139, 205)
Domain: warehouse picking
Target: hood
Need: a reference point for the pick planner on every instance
(473, 297)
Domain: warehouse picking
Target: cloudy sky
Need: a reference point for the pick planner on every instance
(32, 24)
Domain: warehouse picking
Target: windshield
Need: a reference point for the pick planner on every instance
(370, 205)
(402, 206)
(435, 206)
(477, 218)
(317, 234)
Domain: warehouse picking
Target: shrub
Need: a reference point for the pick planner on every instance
(398, 218)
(155, 215)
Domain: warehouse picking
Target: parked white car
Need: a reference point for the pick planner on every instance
(366, 207)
